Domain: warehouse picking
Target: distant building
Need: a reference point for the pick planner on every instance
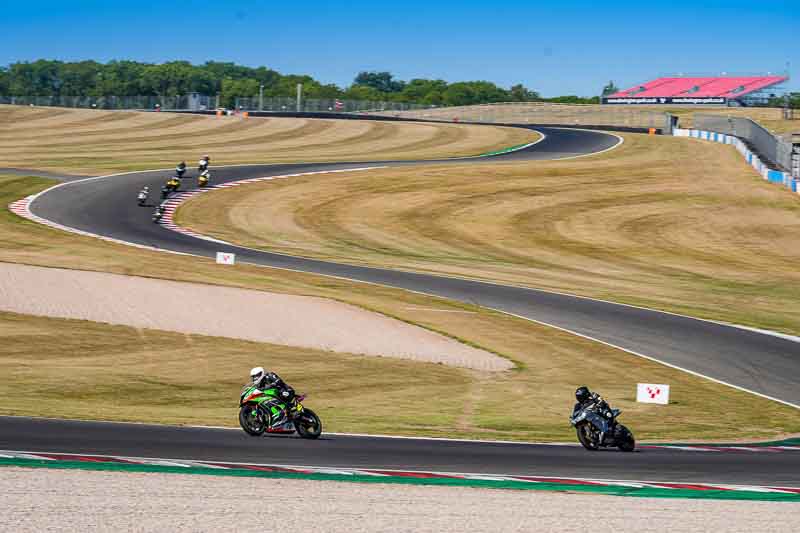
(713, 90)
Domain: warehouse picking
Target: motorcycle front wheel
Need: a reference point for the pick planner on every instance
(308, 425)
(586, 438)
(250, 421)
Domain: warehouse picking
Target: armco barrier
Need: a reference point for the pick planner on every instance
(771, 175)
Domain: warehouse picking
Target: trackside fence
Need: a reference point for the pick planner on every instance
(771, 149)
(322, 105)
(102, 102)
(197, 102)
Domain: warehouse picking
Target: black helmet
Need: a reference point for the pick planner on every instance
(582, 394)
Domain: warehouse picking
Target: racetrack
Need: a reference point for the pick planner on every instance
(764, 364)
(757, 362)
(233, 445)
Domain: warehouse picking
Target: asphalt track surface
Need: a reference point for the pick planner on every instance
(232, 445)
(761, 363)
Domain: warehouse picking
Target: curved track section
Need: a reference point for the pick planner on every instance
(760, 363)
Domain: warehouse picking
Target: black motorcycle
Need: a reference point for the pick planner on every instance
(158, 214)
(597, 427)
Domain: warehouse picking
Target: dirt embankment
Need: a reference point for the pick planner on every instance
(301, 321)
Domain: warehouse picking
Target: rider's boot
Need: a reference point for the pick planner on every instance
(279, 418)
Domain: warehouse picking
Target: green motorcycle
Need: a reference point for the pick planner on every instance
(259, 410)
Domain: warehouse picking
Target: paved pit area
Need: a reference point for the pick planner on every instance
(74, 500)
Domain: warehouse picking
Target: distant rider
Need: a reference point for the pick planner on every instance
(159, 212)
(143, 194)
(180, 170)
(264, 380)
(202, 165)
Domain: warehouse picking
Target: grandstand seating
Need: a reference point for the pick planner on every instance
(726, 87)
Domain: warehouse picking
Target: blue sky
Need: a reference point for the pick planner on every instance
(554, 47)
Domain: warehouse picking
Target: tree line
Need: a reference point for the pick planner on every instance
(792, 99)
(230, 81)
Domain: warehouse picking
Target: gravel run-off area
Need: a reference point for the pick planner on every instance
(301, 321)
(49, 500)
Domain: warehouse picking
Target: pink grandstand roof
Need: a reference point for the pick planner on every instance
(727, 87)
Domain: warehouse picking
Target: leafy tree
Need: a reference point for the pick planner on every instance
(380, 81)
(573, 99)
(231, 81)
(519, 93)
(780, 101)
(363, 92)
(417, 89)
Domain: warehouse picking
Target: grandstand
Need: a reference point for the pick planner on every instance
(717, 90)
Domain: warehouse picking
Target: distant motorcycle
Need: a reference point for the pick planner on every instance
(596, 426)
(180, 170)
(142, 198)
(202, 165)
(158, 214)
(203, 179)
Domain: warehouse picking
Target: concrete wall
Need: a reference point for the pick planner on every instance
(773, 176)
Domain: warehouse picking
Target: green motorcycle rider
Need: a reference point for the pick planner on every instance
(272, 385)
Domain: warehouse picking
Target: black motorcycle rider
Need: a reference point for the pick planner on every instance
(180, 170)
(587, 398)
(143, 195)
(264, 380)
(158, 214)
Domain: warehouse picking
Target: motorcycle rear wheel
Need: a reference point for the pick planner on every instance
(585, 437)
(308, 425)
(250, 421)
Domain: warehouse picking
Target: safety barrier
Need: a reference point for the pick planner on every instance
(771, 175)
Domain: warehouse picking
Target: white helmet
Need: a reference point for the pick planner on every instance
(256, 374)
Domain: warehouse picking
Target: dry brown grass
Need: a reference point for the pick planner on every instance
(97, 365)
(92, 141)
(771, 118)
(96, 371)
(669, 223)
